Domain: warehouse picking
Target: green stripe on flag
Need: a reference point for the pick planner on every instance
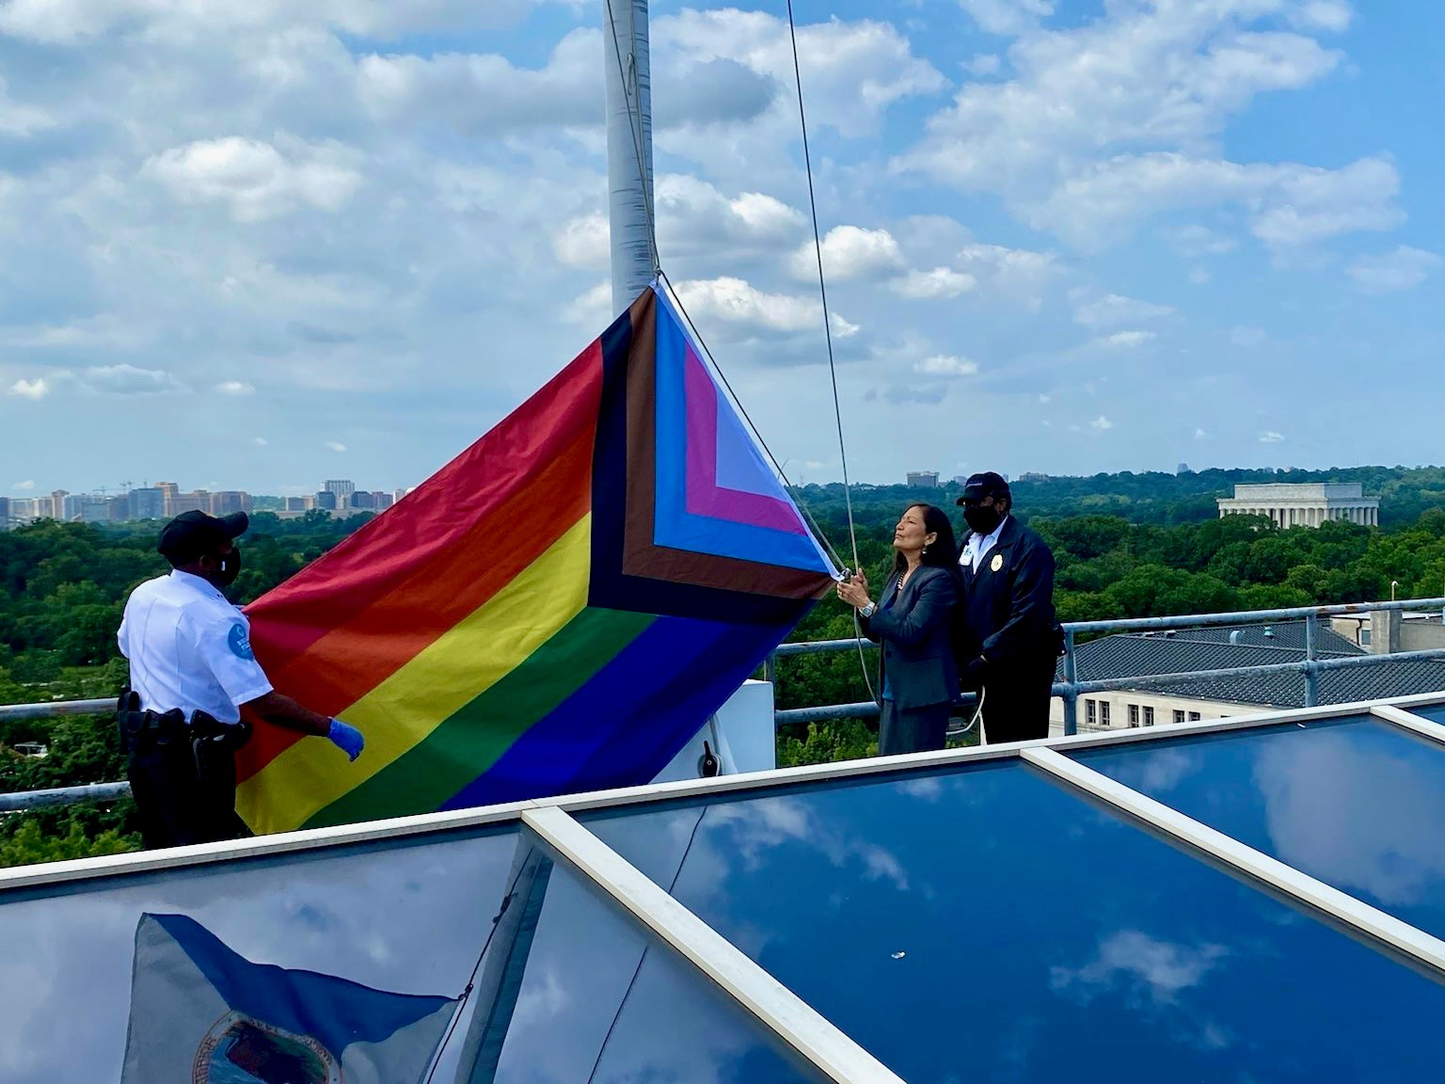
(469, 742)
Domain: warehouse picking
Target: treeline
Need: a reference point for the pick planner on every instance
(1157, 498)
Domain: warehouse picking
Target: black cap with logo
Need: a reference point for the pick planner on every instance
(193, 534)
(986, 484)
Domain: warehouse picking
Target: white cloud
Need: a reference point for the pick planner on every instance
(26, 485)
(941, 282)
(1331, 15)
(593, 308)
(1125, 339)
(20, 120)
(1014, 269)
(1269, 436)
(735, 301)
(235, 387)
(261, 442)
(1247, 338)
(1200, 434)
(125, 379)
(697, 218)
(849, 252)
(336, 445)
(1007, 16)
(1101, 423)
(983, 64)
(584, 242)
(254, 179)
(1142, 965)
(1111, 122)
(484, 94)
(1197, 241)
(853, 71)
(73, 21)
(1199, 276)
(1288, 205)
(1114, 309)
(1392, 272)
(946, 365)
(36, 389)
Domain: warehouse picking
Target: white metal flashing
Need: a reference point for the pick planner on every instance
(112, 865)
(790, 1018)
(1409, 721)
(1361, 916)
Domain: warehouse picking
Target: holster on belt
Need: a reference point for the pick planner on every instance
(230, 736)
(141, 729)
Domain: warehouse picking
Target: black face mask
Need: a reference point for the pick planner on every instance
(228, 567)
(982, 520)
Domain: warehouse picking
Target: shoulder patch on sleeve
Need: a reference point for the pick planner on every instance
(239, 641)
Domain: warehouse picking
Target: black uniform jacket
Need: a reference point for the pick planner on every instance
(1006, 611)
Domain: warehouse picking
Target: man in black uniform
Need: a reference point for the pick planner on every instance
(1005, 638)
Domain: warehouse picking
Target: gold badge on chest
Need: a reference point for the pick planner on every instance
(996, 563)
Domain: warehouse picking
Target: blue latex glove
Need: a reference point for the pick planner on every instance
(346, 738)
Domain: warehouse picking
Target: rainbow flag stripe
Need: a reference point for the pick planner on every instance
(558, 609)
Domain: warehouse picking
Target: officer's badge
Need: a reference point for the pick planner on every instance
(996, 563)
(239, 641)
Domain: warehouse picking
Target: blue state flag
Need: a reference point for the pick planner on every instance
(202, 1014)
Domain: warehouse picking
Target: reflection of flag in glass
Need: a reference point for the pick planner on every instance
(558, 609)
(199, 1013)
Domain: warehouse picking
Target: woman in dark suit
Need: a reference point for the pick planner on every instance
(910, 623)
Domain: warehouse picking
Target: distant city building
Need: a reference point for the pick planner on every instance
(95, 508)
(326, 499)
(148, 502)
(169, 492)
(399, 494)
(1033, 476)
(300, 504)
(361, 499)
(1306, 505)
(5, 523)
(1183, 468)
(343, 488)
(226, 502)
(922, 478)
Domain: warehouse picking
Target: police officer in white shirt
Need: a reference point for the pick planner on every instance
(191, 669)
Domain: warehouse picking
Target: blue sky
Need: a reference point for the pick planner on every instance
(257, 246)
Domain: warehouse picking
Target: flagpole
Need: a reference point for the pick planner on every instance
(629, 149)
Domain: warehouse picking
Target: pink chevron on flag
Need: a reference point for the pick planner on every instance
(705, 497)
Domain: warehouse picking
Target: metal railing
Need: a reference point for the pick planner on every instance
(1069, 690)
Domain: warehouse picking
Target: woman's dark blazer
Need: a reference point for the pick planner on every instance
(913, 633)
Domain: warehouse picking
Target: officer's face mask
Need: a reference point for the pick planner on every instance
(981, 518)
(228, 566)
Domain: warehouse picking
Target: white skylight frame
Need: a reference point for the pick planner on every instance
(791, 1021)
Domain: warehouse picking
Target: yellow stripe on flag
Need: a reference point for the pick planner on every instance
(399, 713)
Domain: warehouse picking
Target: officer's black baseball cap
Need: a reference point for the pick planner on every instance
(986, 484)
(193, 534)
